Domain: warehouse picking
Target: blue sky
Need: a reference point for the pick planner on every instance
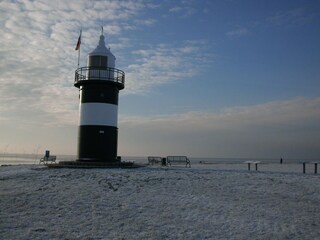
(203, 78)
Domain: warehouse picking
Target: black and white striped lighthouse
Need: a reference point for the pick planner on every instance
(99, 84)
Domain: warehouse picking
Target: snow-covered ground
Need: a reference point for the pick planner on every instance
(214, 201)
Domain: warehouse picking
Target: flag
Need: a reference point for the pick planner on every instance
(79, 42)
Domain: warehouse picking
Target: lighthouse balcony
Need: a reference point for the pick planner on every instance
(87, 75)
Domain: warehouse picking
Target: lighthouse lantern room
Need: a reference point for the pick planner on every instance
(99, 84)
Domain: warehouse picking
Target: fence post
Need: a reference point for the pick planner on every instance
(315, 168)
(304, 167)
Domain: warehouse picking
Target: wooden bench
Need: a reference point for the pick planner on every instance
(48, 159)
(171, 160)
(154, 160)
(252, 162)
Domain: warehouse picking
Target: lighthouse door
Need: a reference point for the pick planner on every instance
(101, 144)
(107, 145)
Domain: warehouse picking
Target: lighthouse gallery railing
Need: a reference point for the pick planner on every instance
(99, 73)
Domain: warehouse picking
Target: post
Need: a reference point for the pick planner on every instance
(304, 167)
(315, 168)
(249, 166)
(78, 46)
(79, 56)
(164, 162)
(256, 166)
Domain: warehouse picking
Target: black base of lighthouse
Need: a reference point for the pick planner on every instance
(97, 144)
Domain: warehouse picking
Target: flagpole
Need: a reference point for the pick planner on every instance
(79, 56)
(78, 47)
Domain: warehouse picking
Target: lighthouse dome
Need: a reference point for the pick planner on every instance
(101, 56)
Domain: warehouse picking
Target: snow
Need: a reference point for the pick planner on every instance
(208, 201)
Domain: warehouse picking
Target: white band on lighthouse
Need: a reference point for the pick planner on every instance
(103, 114)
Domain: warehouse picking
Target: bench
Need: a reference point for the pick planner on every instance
(171, 160)
(252, 162)
(315, 166)
(48, 159)
(154, 160)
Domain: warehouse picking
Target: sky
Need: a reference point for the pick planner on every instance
(204, 78)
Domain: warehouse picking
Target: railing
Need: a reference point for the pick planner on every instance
(99, 73)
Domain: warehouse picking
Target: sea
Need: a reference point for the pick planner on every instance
(19, 159)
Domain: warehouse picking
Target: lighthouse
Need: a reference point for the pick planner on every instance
(99, 84)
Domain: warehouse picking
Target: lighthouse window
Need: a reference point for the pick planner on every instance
(98, 61)
(104, 61)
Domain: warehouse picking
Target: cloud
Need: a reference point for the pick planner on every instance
(292, 17)
(291, 113)
(164, 64)
(38, 58)
(184, 8)
(239, 32)
(146, 22)
(267, 130)
(37, 53)
(297, 16)
(176, 9)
